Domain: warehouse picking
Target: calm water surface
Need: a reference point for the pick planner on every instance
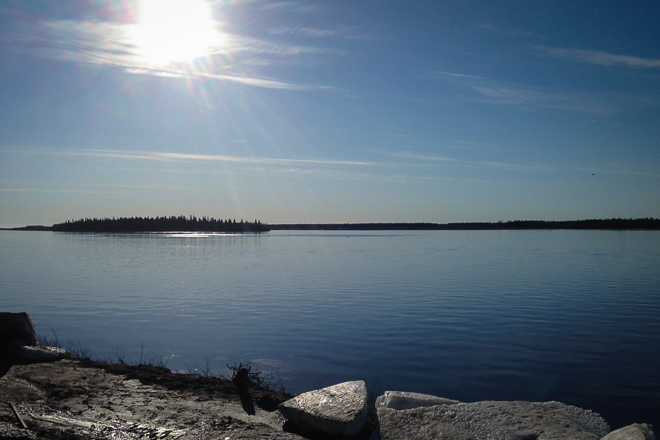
(572, 316)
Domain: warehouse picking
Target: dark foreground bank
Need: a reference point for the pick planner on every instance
(46, 394)
(85, 399)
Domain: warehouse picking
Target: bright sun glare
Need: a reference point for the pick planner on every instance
(170, 31)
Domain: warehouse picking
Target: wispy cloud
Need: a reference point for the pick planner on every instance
(530, 97)
(269, 5)
(251, 81)
(89, 188)
(598, 58)
(518, 167)
(110, 44)
(236, 44)
(422, 157)
(295, 166)
(345, 32)
(173, 157)
(302, 31)
(221, 158)
(424, 161)
(294, 6)
(50, 190)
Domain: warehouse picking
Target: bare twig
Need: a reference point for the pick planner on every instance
(243, 375)
(18, 415)
(207, 367)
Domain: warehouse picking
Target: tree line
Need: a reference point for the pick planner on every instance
(613, 223)
(159, 224)
(205, 224)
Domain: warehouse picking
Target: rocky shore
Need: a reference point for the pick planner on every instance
(81, 399)
(44, 394)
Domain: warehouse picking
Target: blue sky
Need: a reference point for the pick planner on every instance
(329, 111)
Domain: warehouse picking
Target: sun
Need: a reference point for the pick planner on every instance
(174, 31)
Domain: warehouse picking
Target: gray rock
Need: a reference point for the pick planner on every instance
(38, 353)
(16, 329)
(492, 421)
(336, 410)
(636, 431)
(406, 400)
(18, 337)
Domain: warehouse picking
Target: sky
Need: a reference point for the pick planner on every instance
(329, 111)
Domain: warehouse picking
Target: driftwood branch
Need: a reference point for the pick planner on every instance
(18, 415)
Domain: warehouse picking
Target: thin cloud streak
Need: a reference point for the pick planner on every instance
(423, 157)
(58, 187)
(76, 191)
(598, 58)
(174, 157)
(471, 145)
(256, 159)
(293, 6)
(518, 167)
(302, 31)
(345, 32)
(251, 81)
(424, 160)
(109, 44)
(234, 44)
(529, 97)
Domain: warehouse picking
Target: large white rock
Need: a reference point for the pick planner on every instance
(406, 400)
(635, 431)
(492, 421)
(336, 410)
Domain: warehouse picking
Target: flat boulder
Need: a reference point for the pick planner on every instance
(636, 431)
(493, 421)
(406, 400)
(18, 337)
(16, 329)
(38, 353)
(336, 410)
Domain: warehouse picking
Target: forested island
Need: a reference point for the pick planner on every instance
(206, 224)
(159, 224)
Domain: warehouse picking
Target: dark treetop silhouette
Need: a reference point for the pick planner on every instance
(614, 223)
(206, 224)
(159, 224)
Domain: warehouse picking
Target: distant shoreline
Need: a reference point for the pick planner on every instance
(592, 224)
(611, 224)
